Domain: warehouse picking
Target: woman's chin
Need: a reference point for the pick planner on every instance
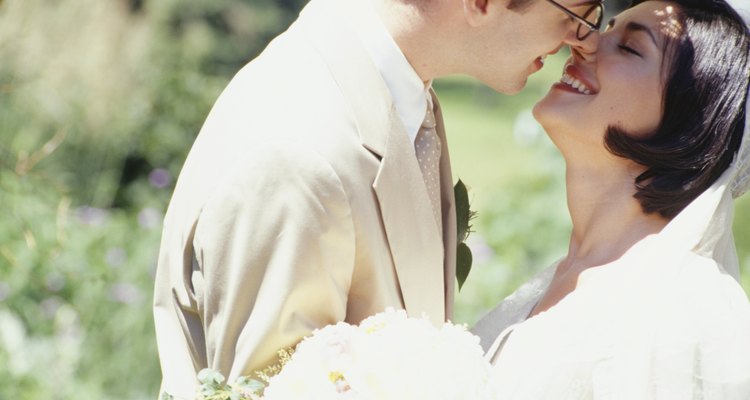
(556, 108)
(554, 118)
(543, 110)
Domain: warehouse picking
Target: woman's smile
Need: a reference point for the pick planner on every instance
(574, 81)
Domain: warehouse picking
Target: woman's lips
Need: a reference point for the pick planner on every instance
(574, 81)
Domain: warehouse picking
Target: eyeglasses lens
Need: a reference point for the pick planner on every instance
(594, 16)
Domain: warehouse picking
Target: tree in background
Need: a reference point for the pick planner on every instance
(99, 104)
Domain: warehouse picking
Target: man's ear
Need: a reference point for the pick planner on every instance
(476, 11)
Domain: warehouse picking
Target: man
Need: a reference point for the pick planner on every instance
(319, 189)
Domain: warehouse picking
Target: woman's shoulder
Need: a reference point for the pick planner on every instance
(709, 296)
(705, 277)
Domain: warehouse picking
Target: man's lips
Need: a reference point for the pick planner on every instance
(539, 62)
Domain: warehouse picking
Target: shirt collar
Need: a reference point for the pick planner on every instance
(410, 94)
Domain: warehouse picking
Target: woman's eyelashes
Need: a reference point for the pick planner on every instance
(626, 48)
(624, 45)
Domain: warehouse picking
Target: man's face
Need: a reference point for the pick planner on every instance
(518, 40)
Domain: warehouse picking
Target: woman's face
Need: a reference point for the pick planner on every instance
(620, 84)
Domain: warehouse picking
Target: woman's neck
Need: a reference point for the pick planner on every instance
(607, 219)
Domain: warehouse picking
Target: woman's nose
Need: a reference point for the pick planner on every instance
(587, 47)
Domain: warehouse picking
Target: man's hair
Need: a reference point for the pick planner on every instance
(515, 5)
(706, 71)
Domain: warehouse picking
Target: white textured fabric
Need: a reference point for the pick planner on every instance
(428, 148)
(659, 323)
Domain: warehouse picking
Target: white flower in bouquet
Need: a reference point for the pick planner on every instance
(311, 372)
(388, 356)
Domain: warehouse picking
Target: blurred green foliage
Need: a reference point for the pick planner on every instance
(100, 102)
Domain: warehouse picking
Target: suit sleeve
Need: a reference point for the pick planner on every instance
(275, 253)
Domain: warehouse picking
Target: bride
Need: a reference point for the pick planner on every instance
(645, 305)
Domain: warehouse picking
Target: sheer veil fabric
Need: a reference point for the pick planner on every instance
(668, 320)
(706, 224)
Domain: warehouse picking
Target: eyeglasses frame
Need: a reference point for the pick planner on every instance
(581, 20)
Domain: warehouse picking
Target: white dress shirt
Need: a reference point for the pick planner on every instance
(407, 89)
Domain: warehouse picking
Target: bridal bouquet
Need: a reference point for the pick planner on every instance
(388, 356)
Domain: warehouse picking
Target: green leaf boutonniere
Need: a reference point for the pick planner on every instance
(464, 215)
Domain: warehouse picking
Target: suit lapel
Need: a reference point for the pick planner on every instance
(449, 212)
(416, 244)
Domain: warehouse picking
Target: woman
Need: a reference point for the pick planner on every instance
(642, 307)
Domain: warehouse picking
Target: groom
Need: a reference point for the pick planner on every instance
(319, 189)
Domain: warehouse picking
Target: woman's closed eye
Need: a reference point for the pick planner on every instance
(628, 49)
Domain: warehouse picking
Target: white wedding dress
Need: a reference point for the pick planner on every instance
(668, 320)
(656, 324)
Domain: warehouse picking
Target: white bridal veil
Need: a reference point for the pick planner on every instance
(706, 224)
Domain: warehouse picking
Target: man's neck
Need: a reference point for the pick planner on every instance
(413, 31)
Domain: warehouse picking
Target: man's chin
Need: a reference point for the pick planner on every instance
(511, 88)
(507, 84)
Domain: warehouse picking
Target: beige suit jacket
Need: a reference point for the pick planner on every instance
(301, 204)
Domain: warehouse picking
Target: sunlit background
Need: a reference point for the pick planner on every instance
(100, 102)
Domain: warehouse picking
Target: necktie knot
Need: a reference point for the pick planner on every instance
(429, 118)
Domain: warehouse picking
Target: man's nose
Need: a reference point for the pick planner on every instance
(587, 47)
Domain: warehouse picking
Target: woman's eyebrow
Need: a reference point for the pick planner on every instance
(637, 27)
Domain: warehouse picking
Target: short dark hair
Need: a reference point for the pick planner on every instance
(519, 5)
(706, 71)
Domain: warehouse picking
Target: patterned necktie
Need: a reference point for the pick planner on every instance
(428, 147)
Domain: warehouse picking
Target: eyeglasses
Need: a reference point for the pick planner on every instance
(590, 21)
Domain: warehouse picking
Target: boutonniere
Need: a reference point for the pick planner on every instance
(464, 215)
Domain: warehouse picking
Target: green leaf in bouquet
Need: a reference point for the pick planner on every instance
(166, 396)
(208, 392)
(210, 377)
(250, 385)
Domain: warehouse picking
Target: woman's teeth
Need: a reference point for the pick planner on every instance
(575, 84)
